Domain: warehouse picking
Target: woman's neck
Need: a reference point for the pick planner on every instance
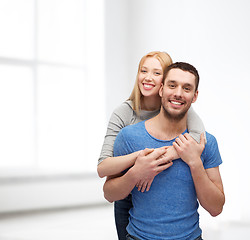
(151, 103)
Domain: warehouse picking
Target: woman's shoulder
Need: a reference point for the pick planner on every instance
(123, 113)
(124, 108)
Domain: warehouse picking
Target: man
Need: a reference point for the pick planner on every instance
(169, 209)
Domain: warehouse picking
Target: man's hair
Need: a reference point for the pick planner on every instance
(187, 68)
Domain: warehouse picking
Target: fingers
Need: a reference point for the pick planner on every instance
(158, 152)
(143, 185)
(146, 151)
(202, 139)
(139, 185)
(164, 167)
(149, 185)
(164, 159)
(180, 140)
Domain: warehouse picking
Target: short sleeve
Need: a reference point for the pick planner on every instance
(211, 154)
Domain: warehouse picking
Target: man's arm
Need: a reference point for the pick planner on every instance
(118, 187)
(149, 163)
(208, 183)
(209, 188)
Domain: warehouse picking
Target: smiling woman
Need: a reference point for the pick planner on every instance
(149, 81)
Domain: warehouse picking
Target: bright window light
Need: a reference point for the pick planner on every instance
(49, 56)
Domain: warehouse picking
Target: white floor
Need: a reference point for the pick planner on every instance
(89, 224)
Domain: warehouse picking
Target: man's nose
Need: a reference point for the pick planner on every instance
(178, 91)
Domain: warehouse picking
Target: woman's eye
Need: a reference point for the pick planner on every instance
(157, 73)
(143, 71)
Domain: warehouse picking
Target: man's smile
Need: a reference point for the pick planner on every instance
(176, 103)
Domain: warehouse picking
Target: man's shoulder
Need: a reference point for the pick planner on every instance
(129, 139)
(133, 128)
(211, 153)
(211, 139)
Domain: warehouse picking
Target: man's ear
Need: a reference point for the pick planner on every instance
(161, 89)
(195, 96)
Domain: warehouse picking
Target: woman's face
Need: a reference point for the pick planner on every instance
(150, 77)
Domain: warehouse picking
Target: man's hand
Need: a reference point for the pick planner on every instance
(149, 163)
(188, 149)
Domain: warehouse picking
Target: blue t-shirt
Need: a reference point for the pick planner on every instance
(168, 211)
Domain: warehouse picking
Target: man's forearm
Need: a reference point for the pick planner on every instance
(118, 188)
(209, 191)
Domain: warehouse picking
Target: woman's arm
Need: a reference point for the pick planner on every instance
(148, 163)
(114, 165)
(195, 125)
(107, 164)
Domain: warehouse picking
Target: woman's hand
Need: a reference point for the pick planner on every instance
(154, 164)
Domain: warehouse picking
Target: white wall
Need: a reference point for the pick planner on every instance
(116, 53)
(214, 37)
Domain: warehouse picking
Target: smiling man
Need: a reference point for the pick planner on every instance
(168, 211)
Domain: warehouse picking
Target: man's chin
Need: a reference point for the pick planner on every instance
(175, 114)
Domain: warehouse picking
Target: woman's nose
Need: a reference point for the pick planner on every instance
(149, 77)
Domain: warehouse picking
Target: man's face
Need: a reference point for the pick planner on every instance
(178, 93)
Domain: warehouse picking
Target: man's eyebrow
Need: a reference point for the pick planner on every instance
(170, 81)
(188, 84)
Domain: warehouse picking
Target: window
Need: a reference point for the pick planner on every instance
(48, 67)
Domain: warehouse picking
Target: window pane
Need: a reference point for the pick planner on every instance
(17, 116)
(61, 119)
(17, 28)
(61, 31)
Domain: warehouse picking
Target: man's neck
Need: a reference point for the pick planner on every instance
(164, 128)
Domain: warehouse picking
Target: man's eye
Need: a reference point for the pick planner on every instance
(143, 71)
(171, 85)
(187, 89)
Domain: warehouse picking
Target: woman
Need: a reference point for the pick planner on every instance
(143, 103)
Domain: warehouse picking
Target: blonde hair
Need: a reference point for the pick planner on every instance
(136, 96)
